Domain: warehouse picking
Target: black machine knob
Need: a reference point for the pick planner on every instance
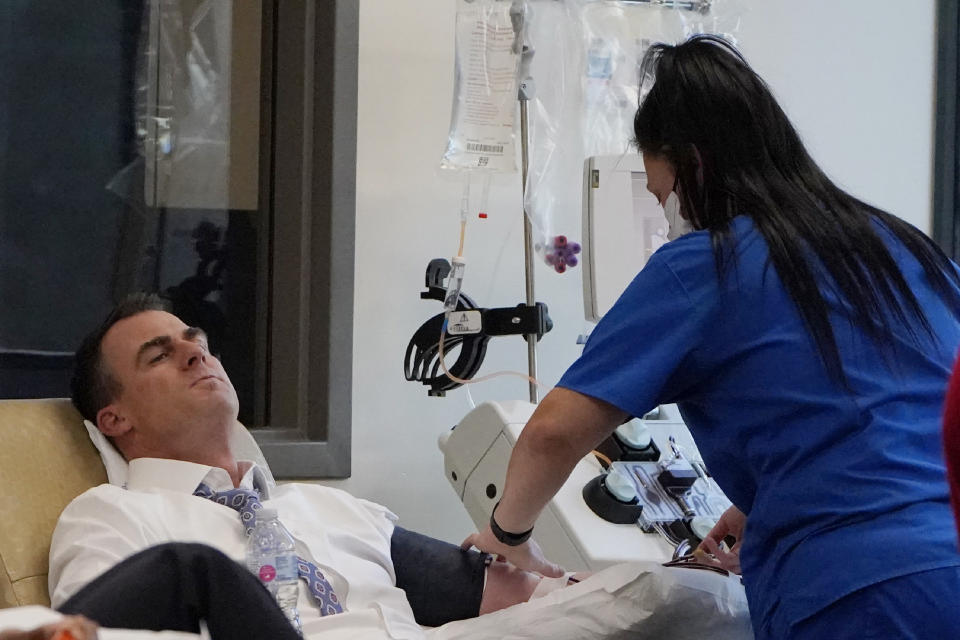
(693, 530)
(630, 442)
(614, 498)
(635, 441)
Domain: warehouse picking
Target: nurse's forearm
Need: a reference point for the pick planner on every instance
(565, 427)
(538, 468)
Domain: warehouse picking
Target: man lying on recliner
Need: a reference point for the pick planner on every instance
(150, 383)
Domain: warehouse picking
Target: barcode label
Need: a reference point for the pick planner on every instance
(485, 148)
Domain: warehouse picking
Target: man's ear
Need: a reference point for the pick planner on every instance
(111, 422)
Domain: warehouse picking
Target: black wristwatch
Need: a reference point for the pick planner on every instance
(507, 538)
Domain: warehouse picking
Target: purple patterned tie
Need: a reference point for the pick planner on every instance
(247, 503)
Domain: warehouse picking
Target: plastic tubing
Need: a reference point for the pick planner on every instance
(458, 380)
(455, 282)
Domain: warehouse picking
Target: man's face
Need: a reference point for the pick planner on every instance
(174, 394)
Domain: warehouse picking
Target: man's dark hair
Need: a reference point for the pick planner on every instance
(736, 153)
(93, 386)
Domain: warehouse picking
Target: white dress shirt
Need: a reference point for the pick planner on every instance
(348, 538)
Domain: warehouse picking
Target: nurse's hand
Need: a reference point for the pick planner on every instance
(731, 523)
(526, 556)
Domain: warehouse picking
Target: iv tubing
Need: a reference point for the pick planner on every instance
(446, 372)
(464, 211)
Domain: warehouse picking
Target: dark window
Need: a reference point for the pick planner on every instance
(202, 150)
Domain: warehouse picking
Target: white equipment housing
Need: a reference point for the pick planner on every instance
(623, 225)
(476, 454)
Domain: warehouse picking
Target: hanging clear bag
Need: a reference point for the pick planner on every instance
(485, 88)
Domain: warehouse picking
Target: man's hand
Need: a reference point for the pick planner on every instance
(526, 556)
(731, 524)
(67, 628)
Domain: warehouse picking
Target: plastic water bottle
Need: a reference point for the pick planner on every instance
(272, 557)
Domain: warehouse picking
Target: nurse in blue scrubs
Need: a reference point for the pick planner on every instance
(807, 338)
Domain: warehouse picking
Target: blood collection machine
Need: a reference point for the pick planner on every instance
(656, 495)
(652, 496)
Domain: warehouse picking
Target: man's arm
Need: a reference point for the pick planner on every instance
(92, 535)
(445, 583)
(507, 586)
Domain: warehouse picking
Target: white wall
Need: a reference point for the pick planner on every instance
(856, 77)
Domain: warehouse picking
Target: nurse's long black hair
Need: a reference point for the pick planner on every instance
(736, 153)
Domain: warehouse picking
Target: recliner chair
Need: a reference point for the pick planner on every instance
(46, 460)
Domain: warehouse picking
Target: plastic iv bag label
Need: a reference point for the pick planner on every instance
(485, 89)
(464, 323)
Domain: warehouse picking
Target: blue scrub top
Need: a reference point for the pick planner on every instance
(842, 489)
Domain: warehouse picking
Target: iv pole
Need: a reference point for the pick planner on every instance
(525, 92)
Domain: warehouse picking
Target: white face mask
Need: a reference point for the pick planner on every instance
(677, 225)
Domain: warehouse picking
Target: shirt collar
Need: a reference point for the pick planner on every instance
(181, 476)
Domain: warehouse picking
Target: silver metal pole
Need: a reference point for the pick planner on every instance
(528, 239)
(519, 14)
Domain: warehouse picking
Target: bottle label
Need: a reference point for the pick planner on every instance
(287, 568)
(267, 573)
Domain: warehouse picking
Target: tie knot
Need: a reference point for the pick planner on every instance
(246, 502)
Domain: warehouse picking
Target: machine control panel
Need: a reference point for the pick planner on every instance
(671, 493)
(655, 494)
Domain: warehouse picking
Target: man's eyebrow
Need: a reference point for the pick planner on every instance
(159, 341)
(192, 333)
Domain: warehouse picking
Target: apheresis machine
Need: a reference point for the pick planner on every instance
(655, 497)
(645, 492)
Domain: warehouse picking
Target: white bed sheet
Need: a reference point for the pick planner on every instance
(636, 600)
(23, 618)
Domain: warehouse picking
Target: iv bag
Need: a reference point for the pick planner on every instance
(485, 88)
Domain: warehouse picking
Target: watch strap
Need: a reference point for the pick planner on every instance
(506, 537)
